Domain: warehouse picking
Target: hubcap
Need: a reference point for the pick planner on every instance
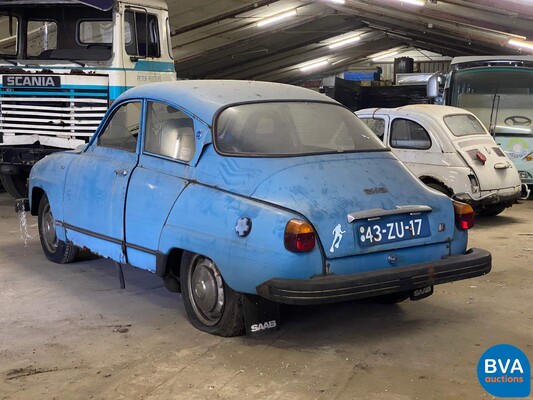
(206, 291)
(49, 230)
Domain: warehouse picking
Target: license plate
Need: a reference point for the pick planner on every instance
(382, 231)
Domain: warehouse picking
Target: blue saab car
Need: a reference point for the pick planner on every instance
(244, 195)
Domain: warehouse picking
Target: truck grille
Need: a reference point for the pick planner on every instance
(45, 114)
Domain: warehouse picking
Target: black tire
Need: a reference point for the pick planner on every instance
(492, 211)
(15, 185)
(55, 250)
(392, 298)
(211, 305)
(438, 187)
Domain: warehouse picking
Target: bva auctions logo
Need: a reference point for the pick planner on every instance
(504, 371)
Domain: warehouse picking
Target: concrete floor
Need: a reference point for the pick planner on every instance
(69, 332)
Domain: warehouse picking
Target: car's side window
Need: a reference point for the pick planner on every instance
(122, 130)
(407, 134)
(141, 34)
(169, 132)
(376, 124)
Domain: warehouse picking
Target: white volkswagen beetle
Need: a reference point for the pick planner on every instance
(449, 150)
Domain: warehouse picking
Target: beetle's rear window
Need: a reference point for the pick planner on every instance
(292, 128)
(464, 125)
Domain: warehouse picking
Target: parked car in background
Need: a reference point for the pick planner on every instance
(236, 191)
(449, 150)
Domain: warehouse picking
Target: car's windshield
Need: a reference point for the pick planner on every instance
(464, 125)
(292, 128)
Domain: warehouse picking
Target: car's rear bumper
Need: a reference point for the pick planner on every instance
(505, 197)
(336, 288)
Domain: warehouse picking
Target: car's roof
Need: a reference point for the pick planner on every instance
(420, 110)
(204, 98)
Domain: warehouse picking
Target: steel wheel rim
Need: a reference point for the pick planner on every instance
(48, 230)
(206, 291)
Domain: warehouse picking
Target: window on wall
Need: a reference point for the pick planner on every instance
(141, 34)
(407, 134)
(122, 130)
(42, 37)
(169, 132)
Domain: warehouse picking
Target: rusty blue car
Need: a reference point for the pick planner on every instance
(244, 195)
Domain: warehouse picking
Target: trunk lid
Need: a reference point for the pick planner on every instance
(352, 200)
(493, 169)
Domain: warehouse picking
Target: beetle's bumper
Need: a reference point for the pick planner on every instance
(336, 288)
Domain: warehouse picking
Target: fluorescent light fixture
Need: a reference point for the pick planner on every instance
(414, 2)
(276, 18)
(315, 65)
(344, 42)
(337, 1)
(518, 43)
(381, 57)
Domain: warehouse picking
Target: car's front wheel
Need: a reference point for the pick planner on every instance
(55, 250)
(211, 305)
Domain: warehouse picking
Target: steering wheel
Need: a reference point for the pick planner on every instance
(518, 120)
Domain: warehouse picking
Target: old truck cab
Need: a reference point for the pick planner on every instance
(62, 63)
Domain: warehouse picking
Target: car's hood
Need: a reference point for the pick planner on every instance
(325, 189)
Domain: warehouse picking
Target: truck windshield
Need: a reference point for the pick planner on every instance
(505, 93)
(292, 128)
(61, 32)
(8, 36)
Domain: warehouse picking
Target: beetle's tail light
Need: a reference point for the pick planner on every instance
(464, 215)
(299, 236)
(481, 157)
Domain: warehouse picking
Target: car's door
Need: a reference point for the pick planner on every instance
(97, 181)
(168, 148)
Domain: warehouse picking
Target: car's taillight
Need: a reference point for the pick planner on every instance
(481, 157)
(464, 215)
(299, 236)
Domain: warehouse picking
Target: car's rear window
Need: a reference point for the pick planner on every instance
(464, 125)
(292, 128)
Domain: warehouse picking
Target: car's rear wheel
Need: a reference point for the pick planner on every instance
(492, 210)
(55, 250)
(211, 305)
(439, 188)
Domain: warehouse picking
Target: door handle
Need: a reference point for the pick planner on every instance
(122, 172)
(501, 165)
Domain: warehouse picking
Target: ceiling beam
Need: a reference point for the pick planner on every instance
(221, 17)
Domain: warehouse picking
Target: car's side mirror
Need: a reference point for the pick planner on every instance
(432, 87)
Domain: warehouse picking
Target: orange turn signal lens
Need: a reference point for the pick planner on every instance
(464, 215)
(299, 236)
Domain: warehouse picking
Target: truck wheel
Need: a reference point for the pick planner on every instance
(15, 185)
(55, 250)
(211, 305)
(492, 211)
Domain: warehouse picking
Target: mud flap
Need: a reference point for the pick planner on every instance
(420, 294)
(261, 316)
